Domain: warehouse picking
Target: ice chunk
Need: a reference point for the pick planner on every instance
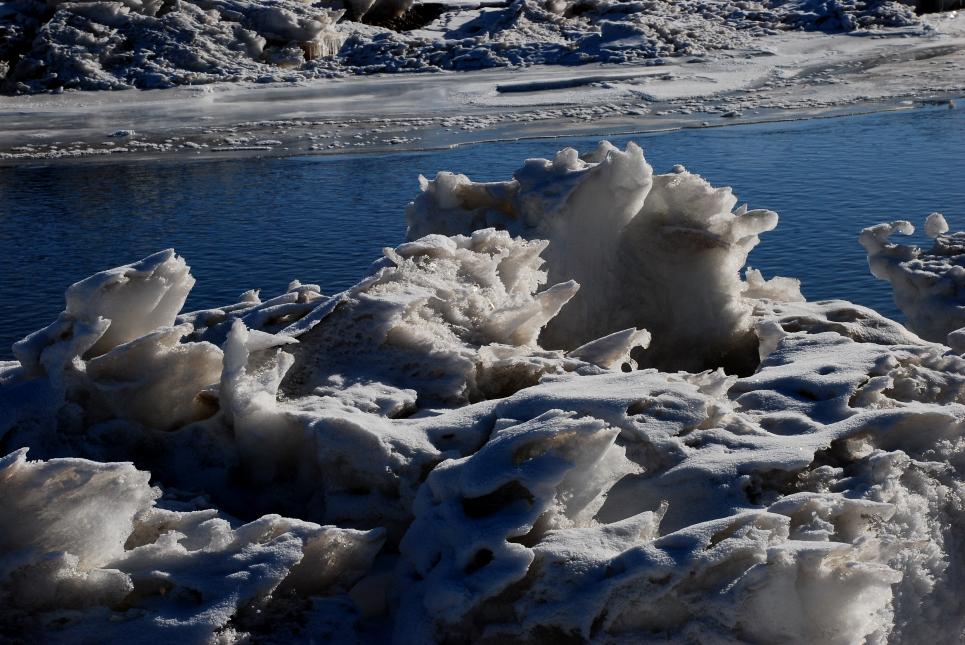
(275, 314)
(80, 534)
(53, 349)
(136, 298)
(664, 254)
(156, 380)
(935, 225)
(925, 284)
(84, 508)
(956, 340)
(613, 350)
(455, 318)
(778, 288)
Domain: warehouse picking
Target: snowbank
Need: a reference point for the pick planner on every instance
(454, 479)
(113, 44)
(573, 32)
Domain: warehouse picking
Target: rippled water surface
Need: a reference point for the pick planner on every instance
(260, 223)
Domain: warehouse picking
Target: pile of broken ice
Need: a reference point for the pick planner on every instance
(491, 436)
(117, 44)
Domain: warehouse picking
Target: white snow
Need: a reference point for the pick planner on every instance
(407, 461)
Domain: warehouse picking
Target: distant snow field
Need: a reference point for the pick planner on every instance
(562, 411)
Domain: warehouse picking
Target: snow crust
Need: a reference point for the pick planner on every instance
(407, 461)
(114, 44)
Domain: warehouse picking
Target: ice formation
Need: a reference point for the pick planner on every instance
(927, 285)
(114, 44)
(660, 236)
(407, 461)
(85, 543)
(572, 32)
(109, 45)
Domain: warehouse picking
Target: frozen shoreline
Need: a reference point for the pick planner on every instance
(796, 75)
(491, 436)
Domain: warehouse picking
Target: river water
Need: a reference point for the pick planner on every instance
(259, 223)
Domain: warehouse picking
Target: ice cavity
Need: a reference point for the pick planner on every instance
(660, 252)
(926, 284)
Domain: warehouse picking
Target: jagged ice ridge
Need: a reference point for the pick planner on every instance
(538, 419)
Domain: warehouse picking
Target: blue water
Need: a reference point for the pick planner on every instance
(260, 223)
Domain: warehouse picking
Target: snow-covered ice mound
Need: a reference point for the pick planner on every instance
(928, 285)
(409, 461)
(660, 252)
(115, 44)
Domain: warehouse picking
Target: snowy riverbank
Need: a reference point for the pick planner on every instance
(787, 75)
(111, 45)
(488, 438)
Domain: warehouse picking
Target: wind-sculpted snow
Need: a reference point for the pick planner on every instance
(110, 44)
(406, 462)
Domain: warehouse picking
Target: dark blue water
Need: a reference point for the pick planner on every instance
(260, 223)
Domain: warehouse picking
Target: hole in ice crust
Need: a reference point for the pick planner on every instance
(496, 501)
(479, 560)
